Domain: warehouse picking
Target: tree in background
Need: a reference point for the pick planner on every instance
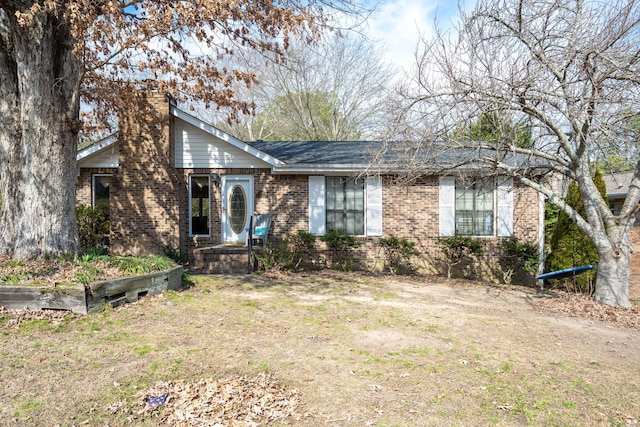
(56, 55)
(569, 246)
(571, 71)
(334, 91)
(305, 116)
(621, 155)
(492, 126)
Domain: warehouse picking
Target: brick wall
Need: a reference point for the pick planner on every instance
(83, 184)
(146, 190)
(409, 210)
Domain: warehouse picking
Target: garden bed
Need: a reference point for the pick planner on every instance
(79, 298)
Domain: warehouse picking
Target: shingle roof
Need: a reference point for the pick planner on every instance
(320, 152)
(396, 155)
(618, 183)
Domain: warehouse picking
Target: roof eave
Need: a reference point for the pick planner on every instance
(97, 147)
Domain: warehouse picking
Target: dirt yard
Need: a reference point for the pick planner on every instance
(325, 349)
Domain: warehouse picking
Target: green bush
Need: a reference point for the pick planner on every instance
(398, 252)
(520, 254)
(518, 258)
(569, 247)
(302, 244)
(92, 227)
(288, 253)
(460, 249)
(276, 256)
(173, 254)
(340, 245)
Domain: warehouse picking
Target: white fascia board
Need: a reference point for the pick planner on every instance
(617, 195)
(318, 169)
(211, 130)
(329, 169)
(96, 147)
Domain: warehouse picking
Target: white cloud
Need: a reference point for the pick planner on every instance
(399, 25)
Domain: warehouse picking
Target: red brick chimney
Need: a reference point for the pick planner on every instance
(145, 198)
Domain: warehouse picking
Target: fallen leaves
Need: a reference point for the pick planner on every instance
(236, 401)
(576, 305)
(17, 317)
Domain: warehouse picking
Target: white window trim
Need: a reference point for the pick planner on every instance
(372, 209)
(191, 204)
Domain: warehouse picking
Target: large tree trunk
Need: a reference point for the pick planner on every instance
(38, 135)
(612, 278)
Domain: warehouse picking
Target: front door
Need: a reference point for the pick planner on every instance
(237, 208)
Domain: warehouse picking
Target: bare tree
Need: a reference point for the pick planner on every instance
(56, 54)
(568, 69)
(333, 90)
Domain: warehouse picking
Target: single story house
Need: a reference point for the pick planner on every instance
(174, 180)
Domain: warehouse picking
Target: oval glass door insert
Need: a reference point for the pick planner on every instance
(237, 209)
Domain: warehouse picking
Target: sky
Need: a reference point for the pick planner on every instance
(399, 24)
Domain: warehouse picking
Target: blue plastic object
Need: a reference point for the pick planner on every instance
(567, 272)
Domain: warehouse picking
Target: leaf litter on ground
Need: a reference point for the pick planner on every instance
(235, 401)
(577, 305)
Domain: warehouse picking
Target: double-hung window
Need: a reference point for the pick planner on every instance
(482, 207)
(345, 205)
(474, 208)
(348, 204)
(199, 196)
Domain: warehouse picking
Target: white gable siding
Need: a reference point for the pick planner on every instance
(198, 149)
(106, 158)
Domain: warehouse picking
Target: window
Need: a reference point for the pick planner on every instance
(353, 206)
(345, 205)
(480, 208)
(100, 193)
(199, 205)
(474, 208)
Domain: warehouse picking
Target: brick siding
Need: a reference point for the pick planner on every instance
(146, 190)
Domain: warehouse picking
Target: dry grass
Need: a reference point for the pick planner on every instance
(357, 350)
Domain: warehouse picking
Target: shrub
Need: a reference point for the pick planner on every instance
(516, 255)
(398, 252)
(92, 227)
(301, 243)
(570, 247)
(173, 254)
(460, 249)
(287, 253)
(340, 245)
(275, 256)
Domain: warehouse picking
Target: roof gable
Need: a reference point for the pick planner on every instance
(102, 153)
(219, 135)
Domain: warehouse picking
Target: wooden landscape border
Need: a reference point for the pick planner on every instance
(83, 299)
